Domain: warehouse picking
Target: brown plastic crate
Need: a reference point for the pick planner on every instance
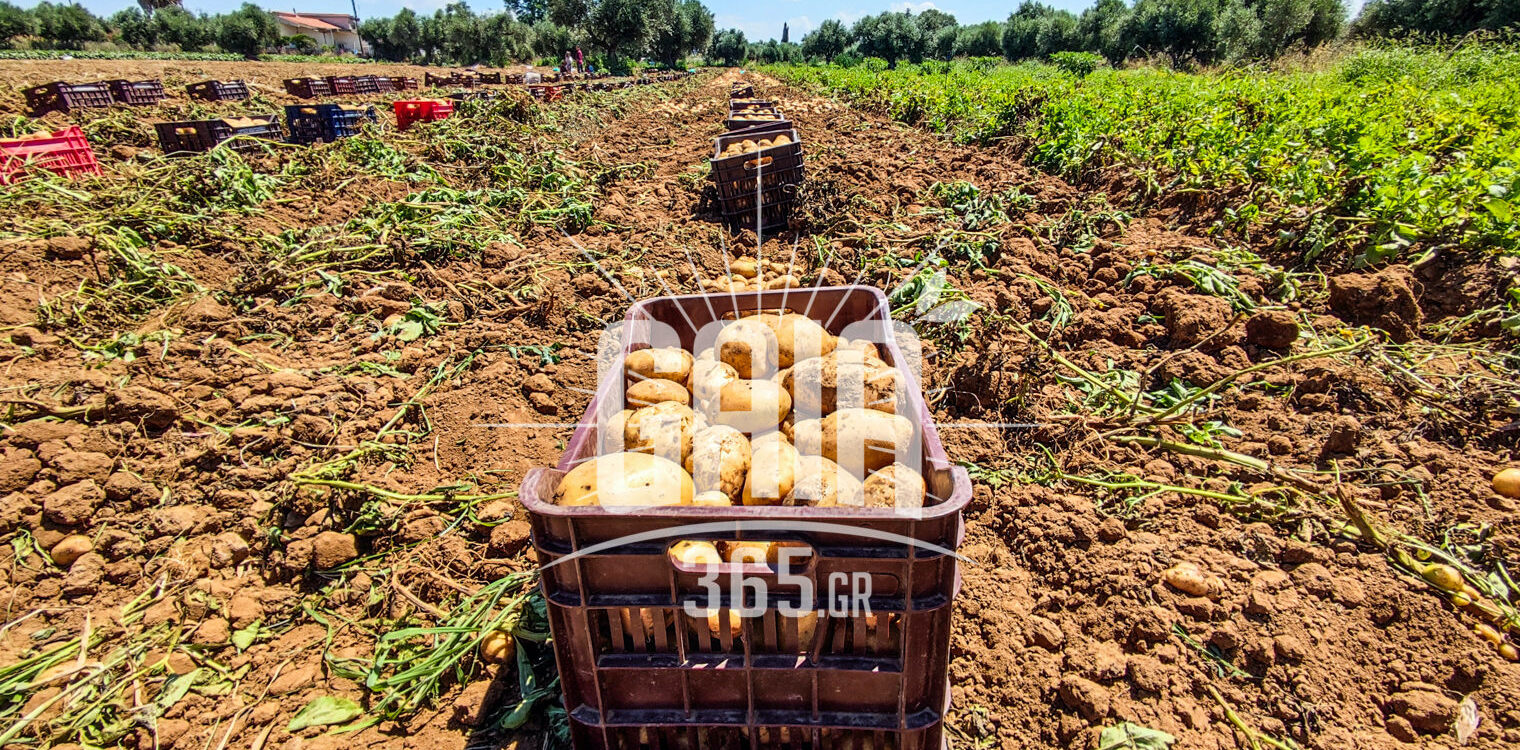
(365, 85)
(490, 78)
(739, 122)
(61, 96)
(308, 88)
(741, 91)
(218, 91)
(403, 83)
(769, 167)
(342, 85)
(639, 672)
(136, 93)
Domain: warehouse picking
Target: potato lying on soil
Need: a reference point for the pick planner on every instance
(1190, 579)
(897, 486)
(668, 363)
(749, 346)
(843, 379)
(1507, 483)
(772, 468)
(665, 429)
(821, 483)
(654, 390)
(625, 479)
(71, 548)
(864, 440)
(719, 460)
(497, 646)
(751, 406)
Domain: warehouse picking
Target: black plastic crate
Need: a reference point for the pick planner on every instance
(136, 93)
(490, 78)
(61, 96)
(308, 88)
(218, 91)
(403, 83)
(364, 85)
(197, 136)
(740, 121)
(741, 91)
(311, 123)
(766, 168)
(383, 84)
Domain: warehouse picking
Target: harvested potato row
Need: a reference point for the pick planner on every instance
(778, 411)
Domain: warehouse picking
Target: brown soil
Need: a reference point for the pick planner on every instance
(176, 465)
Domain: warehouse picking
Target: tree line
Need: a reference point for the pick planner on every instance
(247, 30)
(611, 32)
(1185, 31)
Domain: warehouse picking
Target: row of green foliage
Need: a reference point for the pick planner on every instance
(1390, 150)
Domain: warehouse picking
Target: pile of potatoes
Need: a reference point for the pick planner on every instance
(777, 411)
(750, 275)
(749, 146)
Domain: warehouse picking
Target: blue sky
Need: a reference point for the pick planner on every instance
(758, 21)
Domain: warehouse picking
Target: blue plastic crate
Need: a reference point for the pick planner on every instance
(310, 123)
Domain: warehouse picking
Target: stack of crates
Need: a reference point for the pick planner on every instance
(453, 79)
(308, 88)
(136, 93)
(364, 85)
(798, 668)
(198, 136)
(403, 83)
(749, 113)
(766, 172)
(409, 111)
(218, 91)
(60, 96)
(313, 123)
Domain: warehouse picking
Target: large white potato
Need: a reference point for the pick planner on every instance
(799, 337)
(897, 486)
(864, 440)
(749, 346)
(665, 429)
(625, 479)
(751, 406)
(772, 469)
(843, 379)
(719, 460)
(654, 390)
(667, 363)
(822, 483)
(708, 378)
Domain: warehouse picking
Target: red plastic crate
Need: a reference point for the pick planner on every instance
(66, 152)
(638, 672)
(410, 111)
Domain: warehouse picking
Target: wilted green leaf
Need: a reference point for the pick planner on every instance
(245, 637)
(323, 711)
(1128, 736)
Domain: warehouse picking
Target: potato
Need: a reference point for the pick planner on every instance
(70, 548)
(713, 619)
(864, 440)
(665, 429)
(646, 621)
(751, 406)
(866, 348)
(654, 391)
(843, 379)
(632, 479)
(755, 441)
(695, 552)
(744, 267)
(707, 379)
(612, 433)
(821, 483)
(781, 140)
(799, 337)
(665, 364)
(807, 436)
(1190, 579)
(713, 499)
(750, 552)
(897, 486)
(497, 646)
(772, 469)
(749, 346)
(1507, 483)
(719, 460)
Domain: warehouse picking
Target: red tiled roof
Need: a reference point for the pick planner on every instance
(296, 19)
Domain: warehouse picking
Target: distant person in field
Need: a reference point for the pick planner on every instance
(569, 64)
(580, 59)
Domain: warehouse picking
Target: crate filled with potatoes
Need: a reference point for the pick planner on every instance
(769, 435)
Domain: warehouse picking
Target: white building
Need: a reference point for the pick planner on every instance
(338, 30)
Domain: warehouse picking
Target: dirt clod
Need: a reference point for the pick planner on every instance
(1383, 300)
(1273, 329)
